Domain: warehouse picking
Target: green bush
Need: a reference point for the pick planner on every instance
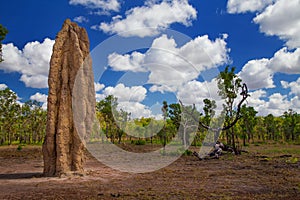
(139, 142)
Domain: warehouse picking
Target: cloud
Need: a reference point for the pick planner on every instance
(3, 86)
(81, 19)
(32, 62)
(149, 19)
(194, 92)
(238, 6)
(136, 109)
(256, 74)
(126, 94)
(171, 66)
(129, 99)
(283, 20)
(127, 62)
(275, 17)
(296, 103)
(40, 98)
(106, 5)
(285, 61)
(99, 87)
(276, 104)
(35, 81)
(259, 73)
(293, 86)
(256, 98)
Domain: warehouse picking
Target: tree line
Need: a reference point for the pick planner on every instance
(26, 123)
(249, 129)
(20, 123)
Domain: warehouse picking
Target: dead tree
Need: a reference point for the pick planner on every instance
(217, 131)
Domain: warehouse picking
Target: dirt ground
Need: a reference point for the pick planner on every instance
(266, 172)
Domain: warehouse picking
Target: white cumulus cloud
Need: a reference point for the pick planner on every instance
(194, 92)
(282, 19)
(127, 62)
(126, 94)
(136, 109)
(32, 62)
(259, 73)
(107, 5)
(171, 66)
(99, 87)
(294, 86)
(40, 98)
(275, 104)
(256, 74)
(149, 19)
(238, 6)
(129, 99)
(285, 61)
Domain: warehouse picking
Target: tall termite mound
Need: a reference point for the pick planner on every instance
(70, 73)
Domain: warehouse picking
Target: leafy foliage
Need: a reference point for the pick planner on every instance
(20, 123)
(229, 85)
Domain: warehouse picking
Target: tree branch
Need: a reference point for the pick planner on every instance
(244, 94)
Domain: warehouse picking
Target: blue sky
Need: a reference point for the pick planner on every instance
(161, 50)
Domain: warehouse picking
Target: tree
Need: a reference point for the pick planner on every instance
(260, 128)
(3, 32)
(188, 124)
(108, 108)
(175, 114)
(37, 121)
(270, 125)
(164, 110)
(122, 117)
(290, 120)
(229, 85)
(209, 110)
(248, 114)
(9, 114)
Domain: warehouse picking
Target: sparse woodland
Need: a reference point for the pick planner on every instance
(26, 123)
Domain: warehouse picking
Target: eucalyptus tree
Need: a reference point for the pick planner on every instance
(122, 120)
(209, 110)
(36, 118)
(270, 125)
(290, 122)
(9, 113)
(163, 137)
(175, 114)
(229, 85)
(108, 108)
(248, 122)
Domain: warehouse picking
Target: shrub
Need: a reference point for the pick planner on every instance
(140, 142)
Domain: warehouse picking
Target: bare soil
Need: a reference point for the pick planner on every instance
(266, 172)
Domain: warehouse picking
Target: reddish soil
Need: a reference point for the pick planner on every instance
(259, 174)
